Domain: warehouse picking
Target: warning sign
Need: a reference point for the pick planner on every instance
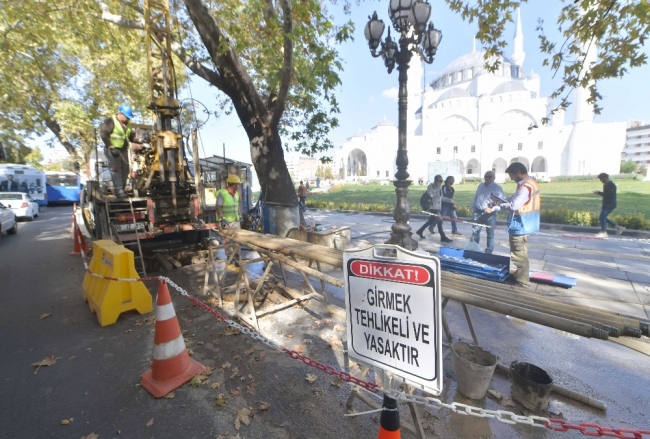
(393, 313)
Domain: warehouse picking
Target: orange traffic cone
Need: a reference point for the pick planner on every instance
(172, 365)
(389, 420)
(79, 240)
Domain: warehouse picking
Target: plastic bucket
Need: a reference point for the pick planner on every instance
(474, 367)
(531, 385)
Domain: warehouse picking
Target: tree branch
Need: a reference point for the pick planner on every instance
(119, 20)
(287, 68)
(226, 60)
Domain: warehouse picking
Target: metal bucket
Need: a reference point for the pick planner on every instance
(531, 385)
(474, 367)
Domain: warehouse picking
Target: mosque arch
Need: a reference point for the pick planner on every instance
(539, 165)
(357, 163)
(522, 160)
(473, 167)
(456, 124)
(499, 165)
(515, 119)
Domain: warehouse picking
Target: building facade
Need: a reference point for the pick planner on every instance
(469, 120)
(637, 144)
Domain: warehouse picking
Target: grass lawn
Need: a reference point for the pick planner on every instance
(633, 195)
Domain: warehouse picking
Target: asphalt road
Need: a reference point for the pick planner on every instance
(95, 382)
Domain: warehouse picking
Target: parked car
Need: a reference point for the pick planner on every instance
(23, 205)
(8, 220)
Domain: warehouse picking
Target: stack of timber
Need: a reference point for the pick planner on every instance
(505, 299)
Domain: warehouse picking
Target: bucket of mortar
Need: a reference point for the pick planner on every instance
(474, 367)
(531, 386)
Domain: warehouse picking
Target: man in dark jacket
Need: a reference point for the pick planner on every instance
(117, 135)
(609, 204)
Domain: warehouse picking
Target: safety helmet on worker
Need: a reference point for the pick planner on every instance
(232, 179)
(126, 110)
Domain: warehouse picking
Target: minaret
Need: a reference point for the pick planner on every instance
(518, 54)
(583, 118)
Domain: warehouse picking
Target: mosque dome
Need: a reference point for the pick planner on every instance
(470, 65)
(508, 87)
(385, 123)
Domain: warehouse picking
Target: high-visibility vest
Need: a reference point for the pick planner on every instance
(230, 208)
(119, 137)
(526, 220)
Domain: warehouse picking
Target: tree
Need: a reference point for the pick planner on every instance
(617, 28)
(324, 172)
(35, 158)
(274, 64)
(63, 73)
(628, 166)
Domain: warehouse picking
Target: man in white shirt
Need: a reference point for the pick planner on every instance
(483, 201)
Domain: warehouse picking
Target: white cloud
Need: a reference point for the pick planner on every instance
(391, 93)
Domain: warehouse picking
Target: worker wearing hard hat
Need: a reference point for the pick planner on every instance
(228, 205)
(229, 208)
(117, 134)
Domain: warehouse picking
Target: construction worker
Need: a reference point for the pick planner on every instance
(523, 218)
(117, 135)
(229, 208)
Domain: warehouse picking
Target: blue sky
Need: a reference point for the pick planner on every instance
(368, 92)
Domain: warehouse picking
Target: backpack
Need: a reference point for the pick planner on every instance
(425, 201)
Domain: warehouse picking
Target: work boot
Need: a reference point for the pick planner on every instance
(119, 193)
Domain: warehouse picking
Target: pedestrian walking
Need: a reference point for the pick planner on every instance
(434, 191)
(482, 201)
(609, 204)
(524, 207)
(302, 196)
(448, 209)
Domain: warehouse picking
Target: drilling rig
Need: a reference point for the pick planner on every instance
(163, 198)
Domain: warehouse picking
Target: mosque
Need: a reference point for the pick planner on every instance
(468, 120)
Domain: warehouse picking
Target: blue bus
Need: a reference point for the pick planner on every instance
(62, 187)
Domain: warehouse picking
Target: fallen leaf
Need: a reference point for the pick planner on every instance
(170, 395)
(235, 373)
(508, 402)
(264, 405)
(242, 417)
(47, 361)
(220, 402)
(290, 336)
(198, 380)
(494, 394)
(311, 378)
(231, 331)
(300, 348)
(237, 357)
(250, 351)
(339, 328)
(226, 365)
(91, 436)
(65, 422)
(235, 392)
(128, 330)
(216, 385)
(44, 316)
(337, 382)
(150, 422)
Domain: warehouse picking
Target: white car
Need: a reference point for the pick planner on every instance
(22, 204)
(8, 221)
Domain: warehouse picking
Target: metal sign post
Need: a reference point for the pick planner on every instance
(392, 299)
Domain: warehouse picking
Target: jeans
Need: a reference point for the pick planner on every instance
(604, 221)
(301, 204)
(489, 219)
(433, 220)
(519, 257)
(449, 211)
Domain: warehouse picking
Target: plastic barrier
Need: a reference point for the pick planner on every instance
(108, 298)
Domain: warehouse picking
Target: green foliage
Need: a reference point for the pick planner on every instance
(34, 158)
(324, 172)
(628, 167)
(632, 176)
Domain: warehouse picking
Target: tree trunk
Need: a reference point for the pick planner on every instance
(268, 158)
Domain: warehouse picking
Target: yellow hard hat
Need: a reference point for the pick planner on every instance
(232, 178)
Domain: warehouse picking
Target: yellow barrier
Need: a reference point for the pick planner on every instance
(107, 298)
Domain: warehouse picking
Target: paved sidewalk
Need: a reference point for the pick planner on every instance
(612, 273)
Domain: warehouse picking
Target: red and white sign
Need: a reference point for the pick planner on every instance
(393, 313)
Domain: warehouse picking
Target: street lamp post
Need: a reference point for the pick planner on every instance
(409, 19)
